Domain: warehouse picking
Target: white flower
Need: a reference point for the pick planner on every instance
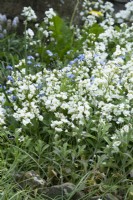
(50, 13)
(126, 113)
(46, 33)
(30, 96)
(2, 115)
(116, 144)
(19, 130)
(58, 129)
(26, 121)
(114, 137)
(40, 118)
(126, 128)
(29, 33)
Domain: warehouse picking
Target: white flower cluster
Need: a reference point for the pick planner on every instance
(92, 88)
(29, 14)
(2, 115)
(25, 92)
(29, 33)
(120, 138)
(42, 30)
(125, 15)
(50, 13)
(48, 21)
(94, 11)
(95, 87)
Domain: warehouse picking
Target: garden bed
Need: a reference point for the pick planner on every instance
(66, 105)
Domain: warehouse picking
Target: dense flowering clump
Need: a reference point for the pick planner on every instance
(83, 91)
(86, 87)
(95, 87)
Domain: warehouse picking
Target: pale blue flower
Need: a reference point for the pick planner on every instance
(1, 35)
(29, 62)
(30, 58)
(14, 98)
(15, 22)
(9, 92)
(70, 76)
(10, 78)
(49, 52)
(37, 65)
(81, 57)
(9, 67)
(41, 94)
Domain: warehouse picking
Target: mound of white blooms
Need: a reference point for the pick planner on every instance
(96, 87)
(90, 89)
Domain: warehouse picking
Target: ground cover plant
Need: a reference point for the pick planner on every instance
(66, 104)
